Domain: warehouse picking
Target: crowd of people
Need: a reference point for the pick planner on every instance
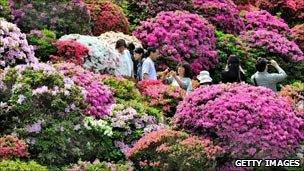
(139, 64)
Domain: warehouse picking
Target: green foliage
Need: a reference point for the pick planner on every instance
(10, 165)
(43, 42)
(4, 9)
(228, 44)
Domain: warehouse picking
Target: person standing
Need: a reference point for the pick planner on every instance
(139, 54)
(233, 72)
(125, 67)
(265, 79)
(148, 67)
(204, 78)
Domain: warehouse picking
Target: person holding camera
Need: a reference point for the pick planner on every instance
(180, 79)
(265, 79)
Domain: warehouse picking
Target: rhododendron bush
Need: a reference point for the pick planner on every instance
(102, 58)
(97, 165)
(97, 95)
(290, 10)
(180, 36)
(167, 149)
(106, 16)
(222, 13)
(268, 43)
(64, 17)
(70, 51)
(42, 41)
(162, 96)
(20, 165)
(11, 146)
(263, 20)
(298, 35)
(247, 121)
(138, 10)
(14, 48)
(112, 37)
(295, 96)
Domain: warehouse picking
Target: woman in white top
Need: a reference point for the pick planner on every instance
(125, 67)
(181, 78)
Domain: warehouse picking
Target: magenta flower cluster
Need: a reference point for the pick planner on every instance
(274, 44)
(14, 48)
(221, 13)
(97, 95)
(247, 121)
(264, 20)
(180, 36)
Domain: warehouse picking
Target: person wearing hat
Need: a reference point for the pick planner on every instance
(204, 78)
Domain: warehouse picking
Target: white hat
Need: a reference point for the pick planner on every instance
(204, 77)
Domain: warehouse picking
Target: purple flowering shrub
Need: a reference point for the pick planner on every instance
(269, 43)
(180, 36)
(138, 10)
(14, 48)
(30, 15)
(264, 20)
(45, 109)
(98, 96)
(221, 13)
(247, 121)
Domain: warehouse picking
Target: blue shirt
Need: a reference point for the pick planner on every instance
(148, 68)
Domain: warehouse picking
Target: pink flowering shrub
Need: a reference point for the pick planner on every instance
(106, 16)
(298, 35)
(272, 44)
(180, 36)
(70, 51)
(161, 96)
(14, 48)
(97, 95)
(291, 10)
(221, 13)
(294, 93)
(173, 150)
(11, 146)
(264, 20)
(247, 121)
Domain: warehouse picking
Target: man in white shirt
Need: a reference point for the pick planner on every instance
(125, 67)
(148, 67)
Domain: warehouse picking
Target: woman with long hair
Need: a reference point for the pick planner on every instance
(233, 72)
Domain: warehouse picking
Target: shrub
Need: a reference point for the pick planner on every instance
(21, 166)
(70, 51)
(226, 45)
(268, 43)
(161, 96)
(97, 165)
(290, 10)
(14, 48)
(30, 15)
(97, 95)
(124, 126)
(263, 20)
(180, 36)
(223, 14)
(106, 16)
(173, 150)
(42, 40)
(102, 57)
(112, 37)
(123, 89)
(295, 96)
(11, 146)
(298, 35)
(247, 121)
(141, 10)
(35, 89)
